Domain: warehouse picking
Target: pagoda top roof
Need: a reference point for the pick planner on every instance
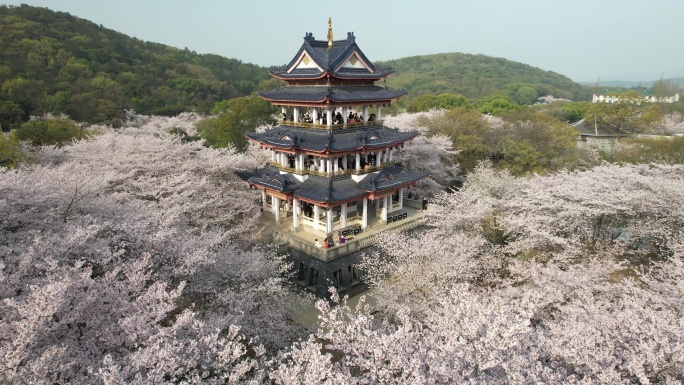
(309, 139)
(344, 59)
(341, 94)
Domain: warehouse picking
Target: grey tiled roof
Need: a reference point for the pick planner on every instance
(329, 190)
(271, 178)
(328, 59)
(391, 177)
(334, 93)
(338, 140)
(588, 129)
(355, 73)
(336, 189)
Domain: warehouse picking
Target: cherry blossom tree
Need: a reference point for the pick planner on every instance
(433, 153)
(577, 276)
(135, 249)
(131, 257)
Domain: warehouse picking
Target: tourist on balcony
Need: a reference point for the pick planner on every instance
(317, 243)
(342, 239)
(329, 242)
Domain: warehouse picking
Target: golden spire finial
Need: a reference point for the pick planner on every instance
(330, 34)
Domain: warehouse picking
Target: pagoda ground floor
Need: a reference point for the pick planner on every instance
(318, 268)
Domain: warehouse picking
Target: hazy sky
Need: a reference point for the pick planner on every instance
(581, 39)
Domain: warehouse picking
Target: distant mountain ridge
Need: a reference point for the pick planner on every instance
(475, 76)
(55, 62)
(679, 81)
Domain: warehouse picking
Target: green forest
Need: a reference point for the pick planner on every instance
(475, 76)
(58, 63)
(53, 62)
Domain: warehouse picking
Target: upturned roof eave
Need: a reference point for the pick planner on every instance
(329, 203)
(322, 75)
(399, 185)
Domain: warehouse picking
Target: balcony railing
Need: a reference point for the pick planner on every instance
(332, 126)
(350, 246)
(353, 171)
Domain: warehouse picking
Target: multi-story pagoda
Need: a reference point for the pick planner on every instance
(332, 169)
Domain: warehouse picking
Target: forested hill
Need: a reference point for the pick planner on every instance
(475, 76)
(55, 62)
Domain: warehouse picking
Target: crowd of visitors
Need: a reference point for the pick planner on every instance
(337, 118)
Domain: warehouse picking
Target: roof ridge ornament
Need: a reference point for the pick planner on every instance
(330, 33)
(350, 37)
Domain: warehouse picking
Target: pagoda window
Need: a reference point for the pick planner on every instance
(353, 274)
(301, 273)
(336, 278)
(313, 279)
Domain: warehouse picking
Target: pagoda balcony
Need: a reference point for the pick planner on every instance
(302, 240)
(353, 171)
(317, 126)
